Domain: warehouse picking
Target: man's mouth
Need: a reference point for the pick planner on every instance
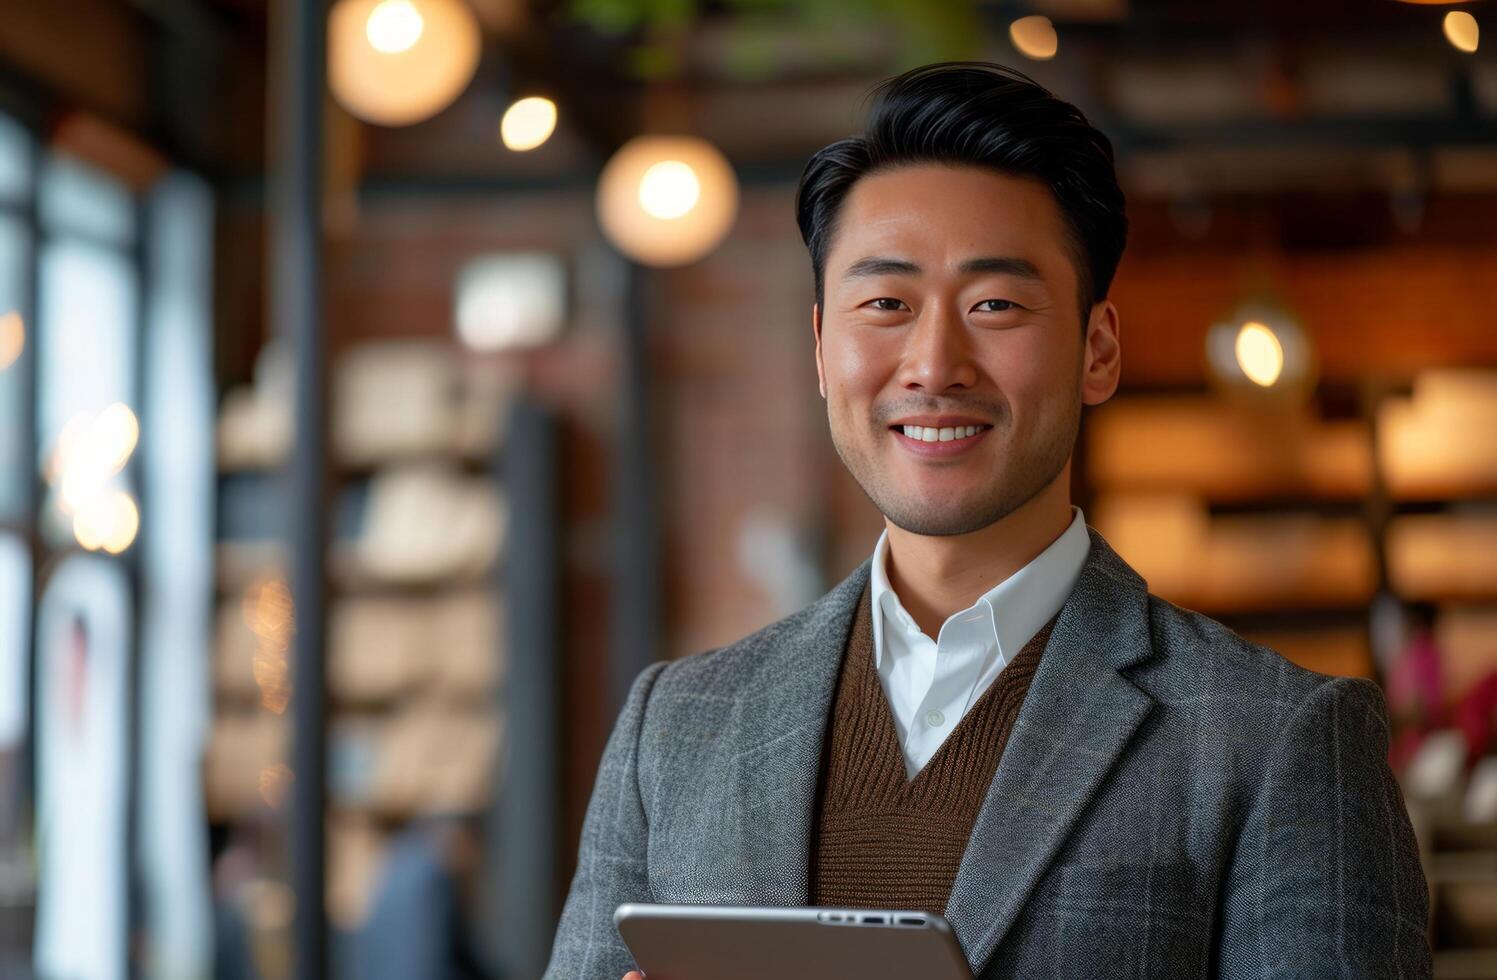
(950, 433)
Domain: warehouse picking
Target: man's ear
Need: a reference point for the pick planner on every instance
(1102, 356)
(816, 332)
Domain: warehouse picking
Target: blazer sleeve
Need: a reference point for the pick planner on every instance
(1325, 879)
(611, 859)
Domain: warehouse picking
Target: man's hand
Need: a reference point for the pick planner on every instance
(634, 975)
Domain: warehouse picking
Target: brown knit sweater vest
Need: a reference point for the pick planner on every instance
(883, 840)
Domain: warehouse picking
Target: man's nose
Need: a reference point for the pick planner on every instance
(938, 355)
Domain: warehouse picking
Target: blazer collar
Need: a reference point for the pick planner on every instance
(1077, 716)
(787, 705)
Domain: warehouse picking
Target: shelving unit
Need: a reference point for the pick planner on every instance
(1286, 524)
(1439, 457)
(416, 632)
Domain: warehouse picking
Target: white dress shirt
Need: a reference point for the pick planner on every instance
(931, 684)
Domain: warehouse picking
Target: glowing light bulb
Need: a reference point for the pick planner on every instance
(394, 26)
(667, 200)
(397, 62)
(1035, 37)
(1462, 31)
(669, 190)
(528, 123)
(1259, 354)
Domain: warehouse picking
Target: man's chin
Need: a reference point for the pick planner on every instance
(941, 519)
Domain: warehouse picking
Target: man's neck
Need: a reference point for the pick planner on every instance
(936, 576)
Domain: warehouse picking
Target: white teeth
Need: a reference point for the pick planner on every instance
(928, 434)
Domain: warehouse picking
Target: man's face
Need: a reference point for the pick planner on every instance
(951, 305)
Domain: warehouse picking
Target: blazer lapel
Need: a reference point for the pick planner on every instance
(776, 770)
(1076, 718)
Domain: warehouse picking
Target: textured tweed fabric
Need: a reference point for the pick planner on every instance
(883, 840)
(1173, 801)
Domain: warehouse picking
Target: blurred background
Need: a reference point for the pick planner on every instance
(383, 383)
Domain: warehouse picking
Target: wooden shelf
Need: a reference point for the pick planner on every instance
(1443, 557)
(1216, 451)
(239, 564)
(469, 461)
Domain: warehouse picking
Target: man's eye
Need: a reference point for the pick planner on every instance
(887, 309)
(999, 305)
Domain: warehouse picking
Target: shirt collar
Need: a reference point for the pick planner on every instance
(1017, 607)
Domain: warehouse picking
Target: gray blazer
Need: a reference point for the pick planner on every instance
(1174, 801)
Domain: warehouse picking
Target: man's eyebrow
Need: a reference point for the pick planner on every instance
(875, 265)
(1007, 265)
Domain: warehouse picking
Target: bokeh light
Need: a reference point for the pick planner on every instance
(397, 62)
(89, 451)
(106, 521)
(1462, 31)
(1262, 348)
(268, 614)
(528, 123)
(12, 338)
(115, 433)
(669, 189)
(1035, 37)
(667, 200)
(394, 26)
(1259, 354)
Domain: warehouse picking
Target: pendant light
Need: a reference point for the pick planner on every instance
(397, 62)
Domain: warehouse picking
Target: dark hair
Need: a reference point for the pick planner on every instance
(984, 115)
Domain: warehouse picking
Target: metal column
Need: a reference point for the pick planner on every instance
(524, 835)
(636, 579)
(296, 84)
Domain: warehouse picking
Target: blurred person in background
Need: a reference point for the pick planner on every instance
(1173, 800)
(418, 922)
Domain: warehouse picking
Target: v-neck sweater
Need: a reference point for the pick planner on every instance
(882, 839)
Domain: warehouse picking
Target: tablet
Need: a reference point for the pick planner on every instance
(719, 942)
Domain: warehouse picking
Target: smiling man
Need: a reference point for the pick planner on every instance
(992, 718)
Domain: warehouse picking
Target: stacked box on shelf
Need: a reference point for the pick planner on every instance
(1223, 451)
(1438, 442)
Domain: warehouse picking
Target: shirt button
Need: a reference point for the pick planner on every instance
(935, 719)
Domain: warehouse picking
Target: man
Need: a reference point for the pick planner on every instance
(1172, 800)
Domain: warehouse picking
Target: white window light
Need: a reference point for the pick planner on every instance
(510, 301)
